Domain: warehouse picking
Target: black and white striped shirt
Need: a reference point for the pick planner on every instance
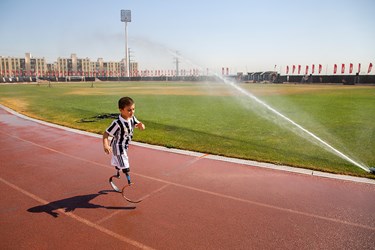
(122, 132)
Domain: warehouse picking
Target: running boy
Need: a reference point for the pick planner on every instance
(121, 130)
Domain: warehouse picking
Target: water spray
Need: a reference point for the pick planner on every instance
(337, 152)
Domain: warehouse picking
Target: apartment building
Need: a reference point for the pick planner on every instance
(29, 66)
(22, 67)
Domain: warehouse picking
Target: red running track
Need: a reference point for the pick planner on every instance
(55, 195)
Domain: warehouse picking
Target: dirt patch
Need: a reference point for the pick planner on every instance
(15, 103)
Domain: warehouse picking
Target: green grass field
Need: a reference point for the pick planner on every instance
(213, 118)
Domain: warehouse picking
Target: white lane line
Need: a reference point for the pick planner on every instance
(210, 192)
(78, 218)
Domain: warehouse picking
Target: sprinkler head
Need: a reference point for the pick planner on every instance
(372, 170)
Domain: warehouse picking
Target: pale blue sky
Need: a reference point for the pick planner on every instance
(244, 35)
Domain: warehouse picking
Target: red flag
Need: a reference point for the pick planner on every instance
(307, 70)
(334, 69)
(320, 68)
(287, 69)
(342, 68)
(299, 69)
(359, 68)
(369, 68)
(294, 68)
(312, 69)
(350, 68)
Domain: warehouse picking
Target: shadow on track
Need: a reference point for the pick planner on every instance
(72, 203)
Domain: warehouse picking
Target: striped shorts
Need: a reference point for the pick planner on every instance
(120, 161)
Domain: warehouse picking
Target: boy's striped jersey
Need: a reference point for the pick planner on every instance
(122, 132)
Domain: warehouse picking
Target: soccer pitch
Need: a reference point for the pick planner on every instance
(215, 118)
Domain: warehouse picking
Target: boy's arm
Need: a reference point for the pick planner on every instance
(106, 146)
(140, 126)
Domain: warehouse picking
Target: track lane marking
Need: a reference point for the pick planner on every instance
(211, 192)
(155, 191)
(100, 221)
(78, 218)
(185, 165)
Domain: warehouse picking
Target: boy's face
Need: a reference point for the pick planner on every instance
(127, 112)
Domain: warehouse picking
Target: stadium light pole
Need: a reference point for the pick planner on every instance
(126, 18)
(177, 61)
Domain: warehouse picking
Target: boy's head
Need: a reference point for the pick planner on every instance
(125, 101)
(127, 107)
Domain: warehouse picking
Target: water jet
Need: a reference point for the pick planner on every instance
(307, 132)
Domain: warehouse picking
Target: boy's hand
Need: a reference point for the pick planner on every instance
(140, 126)
(107, 149)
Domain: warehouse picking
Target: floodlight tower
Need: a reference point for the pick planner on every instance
(126, 18)
(177, 61)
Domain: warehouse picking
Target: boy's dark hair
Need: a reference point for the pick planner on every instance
(125, 101)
